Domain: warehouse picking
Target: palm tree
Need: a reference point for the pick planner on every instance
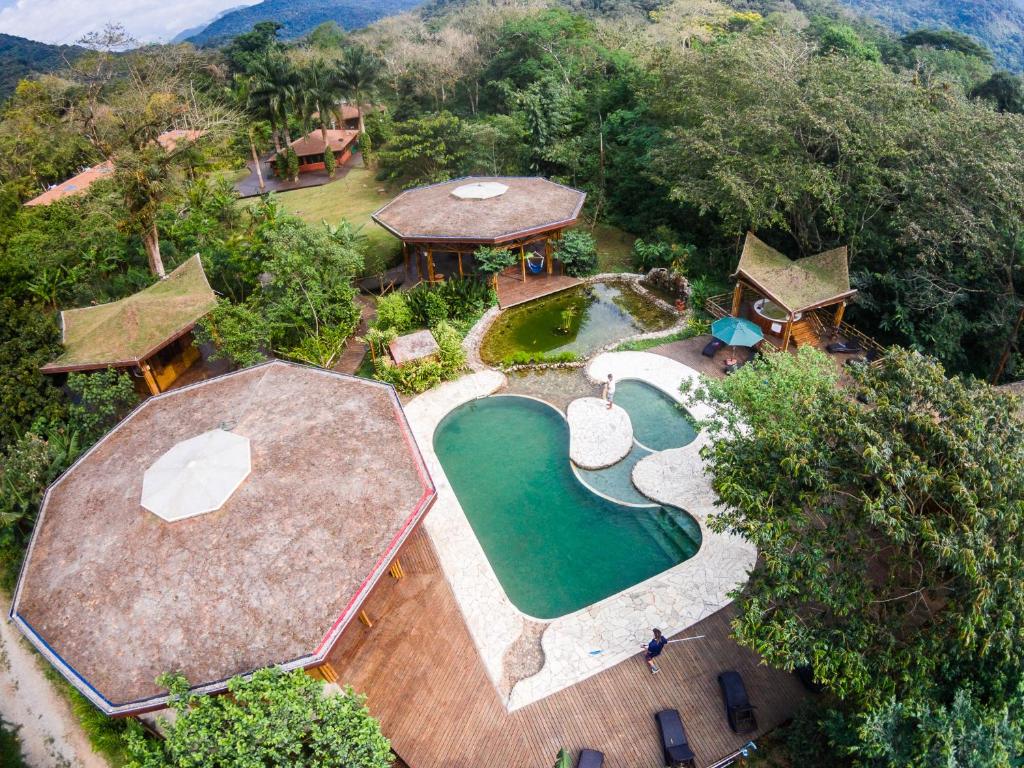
(358, 71)
(321, 87)
(272, 88)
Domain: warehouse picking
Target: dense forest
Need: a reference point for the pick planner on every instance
(20, 58)
(687, 123)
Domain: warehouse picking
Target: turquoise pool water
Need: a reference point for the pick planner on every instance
(555, 546)
(658, 421)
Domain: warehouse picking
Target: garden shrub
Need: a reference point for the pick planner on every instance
(419, 376)
(577, 251)
(523, 357)
(329, 163)
(393, 312)
(292, 164)
(650, 255)
(491, 261)
(427, 306)
(466, 297)
(10, 746)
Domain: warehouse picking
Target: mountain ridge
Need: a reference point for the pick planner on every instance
(300, 17)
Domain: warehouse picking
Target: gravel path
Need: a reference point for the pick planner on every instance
(49, 732)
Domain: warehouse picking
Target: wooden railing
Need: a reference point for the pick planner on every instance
(821, 319)
(719, 306)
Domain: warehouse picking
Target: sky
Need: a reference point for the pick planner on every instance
(65, 21)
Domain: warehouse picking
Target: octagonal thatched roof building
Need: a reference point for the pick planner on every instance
(114, 595)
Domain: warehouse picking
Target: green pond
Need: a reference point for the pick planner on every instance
(555, 546)
(580, 320)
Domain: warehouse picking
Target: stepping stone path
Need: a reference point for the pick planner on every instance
(598, 437)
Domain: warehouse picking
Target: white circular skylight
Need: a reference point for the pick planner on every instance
(480, 190)
(196, 475)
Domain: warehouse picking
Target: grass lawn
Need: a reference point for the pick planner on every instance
(353, 198)
(613, 248)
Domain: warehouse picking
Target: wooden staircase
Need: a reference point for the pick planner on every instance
(806, 330)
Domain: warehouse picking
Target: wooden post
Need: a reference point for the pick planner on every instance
(522, 261)
(324, 672)
(459, 254)
(737, 299)
(396, 570)
(405, 258)
(430, 265)
(839, 314)
(365, 619)
(147, 374)
(788, 332)
(547, 255)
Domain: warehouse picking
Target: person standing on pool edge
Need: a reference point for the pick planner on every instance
(609, 391)
(654, 649)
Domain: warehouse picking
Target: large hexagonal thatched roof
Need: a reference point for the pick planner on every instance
(113, 595)
(433, 214)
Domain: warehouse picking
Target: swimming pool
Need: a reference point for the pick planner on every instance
(555, 546)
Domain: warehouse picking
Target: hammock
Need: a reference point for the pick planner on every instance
(535, 267)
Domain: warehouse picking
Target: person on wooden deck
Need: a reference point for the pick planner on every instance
(609, 391)
(654, 649)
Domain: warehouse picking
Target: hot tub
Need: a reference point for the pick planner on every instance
(770, 317)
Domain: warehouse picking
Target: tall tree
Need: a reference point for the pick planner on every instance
(272, 84)
(359, 70)
(320, 87)
(884, 516)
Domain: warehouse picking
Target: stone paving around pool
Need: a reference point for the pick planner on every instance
(598, 436)
(595, 638)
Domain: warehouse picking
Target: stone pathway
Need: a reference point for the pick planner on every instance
(49, 732)
(598, 436)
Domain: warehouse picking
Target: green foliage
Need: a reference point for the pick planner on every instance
(949, 40)
(272, 718)
(291, 164)
(100, 399)
(935, 272)
(10, 746)
(29, 338)
(1004, 90)
(238, 332)
(393, 312)
(578, 253)
(491, 261)
(426, 306)
(420, 375)
(880, 515)
(694, 327)
(310, 282)
(329, 162)
(465, 297)
(842, 39)
(524, 357)
(422, 150)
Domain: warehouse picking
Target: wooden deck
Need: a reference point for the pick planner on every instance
(512, 290)
(424, 680)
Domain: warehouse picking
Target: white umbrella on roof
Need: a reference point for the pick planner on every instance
(480, 190)
(196, 475)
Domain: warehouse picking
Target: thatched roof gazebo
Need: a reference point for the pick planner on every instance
(130, 332)
(122, 582)
(793, 288)
(461, 215)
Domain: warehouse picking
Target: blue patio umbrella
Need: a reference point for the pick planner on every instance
(736, 332)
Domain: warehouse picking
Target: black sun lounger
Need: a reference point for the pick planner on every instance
(590, 758)
(845, 347)
(737, 705)
(711, 347)
(673, 740)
